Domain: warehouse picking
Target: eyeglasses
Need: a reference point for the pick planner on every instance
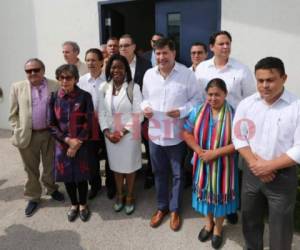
(126, 45)
(197, 52)
(67, 78)
(154, 41)
(36, 70)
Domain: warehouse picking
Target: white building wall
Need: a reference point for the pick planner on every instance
(37, 28)
(263, 28)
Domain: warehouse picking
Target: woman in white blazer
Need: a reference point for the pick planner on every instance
(120, 119)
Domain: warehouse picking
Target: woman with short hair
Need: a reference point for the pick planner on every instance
(71, 122)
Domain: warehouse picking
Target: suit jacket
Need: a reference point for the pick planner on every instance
(126, 110)
(147, 55)
(20, 114)
(142, 65)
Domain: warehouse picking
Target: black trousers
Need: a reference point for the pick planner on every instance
(77, 190)
(110, 179)
(279, 197)
(145, 140)
(94, 164)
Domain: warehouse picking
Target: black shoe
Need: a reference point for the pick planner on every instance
(31, 208)
(111, 193)
(84, 214)
(92, 194)
(72, 214)
(216, 241)
(149, 182)
(232, 218)
(58, 196)
(204, 235)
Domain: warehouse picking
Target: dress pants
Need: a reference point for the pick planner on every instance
(41, 146)
(109, 174)
(164, 159)
(278, 197)
(145, 141)
(94, 165)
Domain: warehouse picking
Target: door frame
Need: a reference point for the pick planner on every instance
(101, 24)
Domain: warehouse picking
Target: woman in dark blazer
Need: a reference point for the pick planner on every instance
(72, 124)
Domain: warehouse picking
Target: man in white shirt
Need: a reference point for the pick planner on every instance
(91, 82)
(198, 54)
(237, 76)
(266, 132)
(70, 52)
(170, 91)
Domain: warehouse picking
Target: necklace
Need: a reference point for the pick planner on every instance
(117, 89)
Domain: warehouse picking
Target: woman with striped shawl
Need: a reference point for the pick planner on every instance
(215, 184)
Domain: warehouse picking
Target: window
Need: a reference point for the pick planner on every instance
(174, 20)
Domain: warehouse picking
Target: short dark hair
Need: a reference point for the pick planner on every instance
(217, 82)
(163, 42)
(36, 60)
(129, 37)
(270, 63)
(122, 59)
(213, 37)
(200, 44)
(95, 51)
(67, 68)
(158, 34)
(74, 46)
(113, 38)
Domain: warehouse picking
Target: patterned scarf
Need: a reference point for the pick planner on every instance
(214, 182)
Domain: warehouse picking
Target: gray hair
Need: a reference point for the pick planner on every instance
(74, 45)
(36, 60)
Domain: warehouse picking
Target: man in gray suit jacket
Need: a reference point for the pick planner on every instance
(28, 118)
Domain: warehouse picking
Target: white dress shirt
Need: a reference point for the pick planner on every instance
(91, 85)
(180, 90)
(237, 76)
(132, 66)
(269, 130)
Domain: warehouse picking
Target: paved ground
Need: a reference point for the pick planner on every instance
(49, 228)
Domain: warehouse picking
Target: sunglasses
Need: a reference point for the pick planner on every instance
(126, 45)
(36, 70)
(154, 41)
(67, 78)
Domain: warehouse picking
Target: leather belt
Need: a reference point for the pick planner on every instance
(40, 130)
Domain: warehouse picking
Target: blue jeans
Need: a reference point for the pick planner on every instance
(164, 158)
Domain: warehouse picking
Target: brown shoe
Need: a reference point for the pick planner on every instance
(158, 217)
(174, 221)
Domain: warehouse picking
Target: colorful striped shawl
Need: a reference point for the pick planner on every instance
(214, 182)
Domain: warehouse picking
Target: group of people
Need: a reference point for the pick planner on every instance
(237, 134)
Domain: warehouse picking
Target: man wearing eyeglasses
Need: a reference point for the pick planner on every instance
(28, 119)
(150, 55)
(198, 54)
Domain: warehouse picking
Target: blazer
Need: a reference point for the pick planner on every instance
(147, 55)
(130, 114)
(142, 65)
(20, 113)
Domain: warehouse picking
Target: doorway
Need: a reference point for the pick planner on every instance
(136, 18)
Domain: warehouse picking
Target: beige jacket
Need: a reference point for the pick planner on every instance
(20, 114)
